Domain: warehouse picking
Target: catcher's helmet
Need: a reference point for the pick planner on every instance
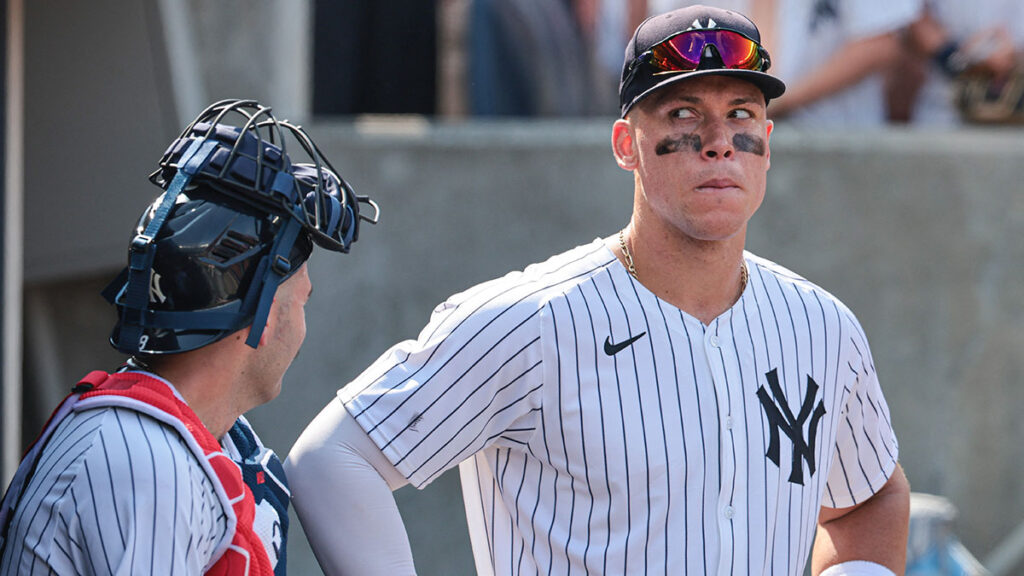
(236, 219)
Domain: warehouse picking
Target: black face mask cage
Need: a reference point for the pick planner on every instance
(252, 162)
(239, 149)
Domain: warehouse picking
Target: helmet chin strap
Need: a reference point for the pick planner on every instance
(273, 269)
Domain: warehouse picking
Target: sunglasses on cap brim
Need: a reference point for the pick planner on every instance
(684, 52)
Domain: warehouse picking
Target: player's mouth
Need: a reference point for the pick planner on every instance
(717, 185)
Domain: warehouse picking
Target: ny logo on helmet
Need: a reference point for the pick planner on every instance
(156, 294)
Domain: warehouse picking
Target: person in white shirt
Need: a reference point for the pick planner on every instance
(833, 55)
(953, 41)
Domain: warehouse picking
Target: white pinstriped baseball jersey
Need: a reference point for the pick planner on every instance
(115, 492)
(607, 432)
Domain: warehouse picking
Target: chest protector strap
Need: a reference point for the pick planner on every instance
(243, 554)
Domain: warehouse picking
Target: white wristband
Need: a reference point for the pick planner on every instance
(857, 568)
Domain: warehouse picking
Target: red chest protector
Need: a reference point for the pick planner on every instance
(245, 555)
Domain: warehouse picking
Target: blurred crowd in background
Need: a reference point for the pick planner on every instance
(847, 63)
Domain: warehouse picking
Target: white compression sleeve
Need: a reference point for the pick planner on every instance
(341, 487)
(857, 568)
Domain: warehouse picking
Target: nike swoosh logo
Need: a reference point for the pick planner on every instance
(613, 349)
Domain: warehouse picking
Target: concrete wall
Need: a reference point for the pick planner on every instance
(97, 103)
(920, 233)
(109, 84)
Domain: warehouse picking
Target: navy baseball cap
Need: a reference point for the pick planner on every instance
(692, 42)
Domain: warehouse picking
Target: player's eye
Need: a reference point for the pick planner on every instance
(683, 113)
(741, 113)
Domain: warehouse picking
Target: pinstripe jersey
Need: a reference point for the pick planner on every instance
(116, 491)
(603, 431)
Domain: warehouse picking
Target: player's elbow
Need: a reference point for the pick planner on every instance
(317, 456)
(335, 449)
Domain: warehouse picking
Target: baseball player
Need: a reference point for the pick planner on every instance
(153, 469)
(655, 402)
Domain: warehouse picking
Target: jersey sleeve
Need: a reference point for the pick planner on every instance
(138, 503)
(866, 449)
(471, 380)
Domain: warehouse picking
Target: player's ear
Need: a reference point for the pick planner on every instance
(768, 143)
(624, 145)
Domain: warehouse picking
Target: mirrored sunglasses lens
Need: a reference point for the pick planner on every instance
(683, 52)
(679, 53)
(737, 51)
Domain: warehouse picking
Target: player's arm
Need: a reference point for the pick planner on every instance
(874, 531)
(989, 50)
(848, 65)
(341, 487)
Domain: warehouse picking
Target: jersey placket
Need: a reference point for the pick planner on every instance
(717, 342)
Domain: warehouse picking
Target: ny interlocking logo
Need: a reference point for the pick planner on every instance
(780, 417)
(155, 293)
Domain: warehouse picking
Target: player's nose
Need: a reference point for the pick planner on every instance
(717, 142)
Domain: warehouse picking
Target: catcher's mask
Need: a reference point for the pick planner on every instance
(237, 218)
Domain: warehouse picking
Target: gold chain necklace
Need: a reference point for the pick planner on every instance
(629, 257)
(744, 275)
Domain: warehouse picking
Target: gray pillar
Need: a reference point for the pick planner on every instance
(11, 238)
(3, 244)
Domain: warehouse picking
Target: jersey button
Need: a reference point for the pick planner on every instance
(729, 512)
(728, 422)
(714, 341)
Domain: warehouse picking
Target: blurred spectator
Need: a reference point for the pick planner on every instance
(608, 25)
(533, 57)
(967, 58)
(832, 54)
(526, 58)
